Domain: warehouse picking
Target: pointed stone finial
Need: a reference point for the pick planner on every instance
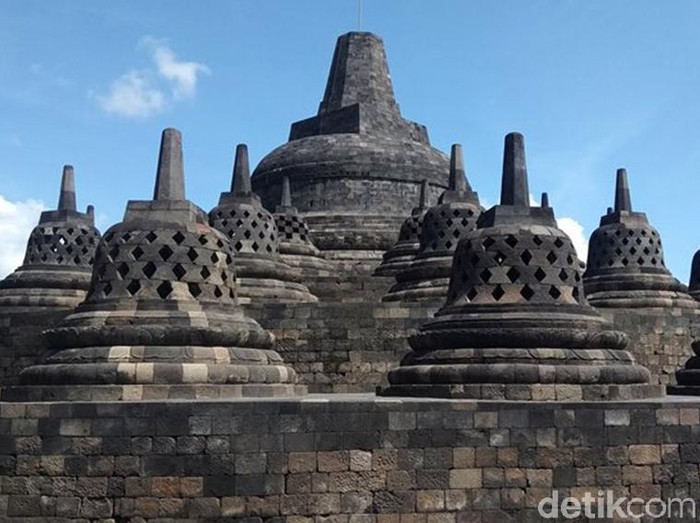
(544, 203)
(170, 177)
(286, 193)
(458, 176)
(623, 202)
(240, 184)
(66, 200)
(91, 211)
(423, 201)
(514, 187)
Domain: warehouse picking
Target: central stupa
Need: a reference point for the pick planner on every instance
(356, 168)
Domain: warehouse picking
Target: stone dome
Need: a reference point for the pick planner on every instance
(357, 165)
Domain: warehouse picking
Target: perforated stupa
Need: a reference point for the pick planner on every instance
(252, 231)
(161, 318)
(516, 323)
(458, 208)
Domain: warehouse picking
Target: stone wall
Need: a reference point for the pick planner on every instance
(660, 339)
(337, 459)
(21, 342)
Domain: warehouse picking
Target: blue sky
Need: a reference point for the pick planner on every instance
(594, 85)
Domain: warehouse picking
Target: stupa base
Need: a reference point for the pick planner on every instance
(25, 393)
(526, 392)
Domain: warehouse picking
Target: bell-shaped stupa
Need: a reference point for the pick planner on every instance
(355, 166)
(444, 225)
(626, 261)
(295, 245)
(252, 231)
(401, 254)
(161, 318)
(694, 284)
(516, 323)
(58, 261)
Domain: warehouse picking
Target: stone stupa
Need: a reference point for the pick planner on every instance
(357, 166)
(401, 254)
(161, 320)
(252, 231)
(694, 283)
(516, 324)
(59, 256)
(458, 208)
(626, 265)
(295, 245)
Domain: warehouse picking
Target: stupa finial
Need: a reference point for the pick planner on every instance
(514, 187)
(240, 184)
(544, 203)
(623, 202)
(286, 200)
(170, 177)
(66, 200)
(423, 200)
(458, 175)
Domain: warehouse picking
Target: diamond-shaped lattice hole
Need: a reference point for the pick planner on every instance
(133, 287)
(625, 241)
(570, 259)
(194, 289)
(255, 246)
(456, 233)
(179, 271)
(238, 246)
(638, 241)
(511, 241)
(499, 258)
(126, 236)
(513, 274)
(470, 213)
(123, 269)
(497, 292)
(217, 292)
(247, 234)
(488, 242)
(558, 243)
(646, 250)
(151, 237)
(165, 252)
(640, 261)
(107, 289)
(448, 244)
(527, 292)
(563, 275)
(485, 275)
(164, 289)
(205, 273)
(472, 293)
(618, 251)
(203, 240)
(554, 292)
(192, 254)
(449, 222)
(633, 250)
(114, 252)
(540, 274)
(149, 270)
(178, 237)
(537, 240)
(551, 257)
(654, 261)
(526, 257)
(137, 253)
(246, 214)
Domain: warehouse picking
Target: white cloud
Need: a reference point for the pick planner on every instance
(142, 93)
(183, 75)
(133, 95)
(17, 219)
(578, 236)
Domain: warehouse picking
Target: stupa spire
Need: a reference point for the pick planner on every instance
(458, 175)
(544, 203)
(359, 73)
(286, 200)
(240, 184)
(66, 200)
(623, 201)
(514, 187)
(170, 177)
